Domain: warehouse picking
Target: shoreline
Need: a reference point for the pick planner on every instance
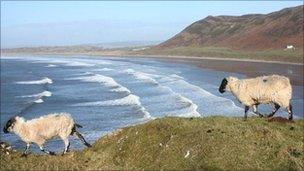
(154, 56)
(247, 67)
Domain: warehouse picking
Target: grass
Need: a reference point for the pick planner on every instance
(270, 55)
(214, 143)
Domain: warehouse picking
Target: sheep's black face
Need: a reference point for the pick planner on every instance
(9, 124)
(223, 85)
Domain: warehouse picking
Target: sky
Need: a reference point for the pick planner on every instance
(49, 23)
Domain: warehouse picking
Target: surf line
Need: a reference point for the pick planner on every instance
(129, 99)
(46, 93)
(142, 76)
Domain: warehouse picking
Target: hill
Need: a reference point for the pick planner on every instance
(183, 144)
(253, 36)
(246, 32)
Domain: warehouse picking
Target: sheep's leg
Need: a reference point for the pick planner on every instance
(246, 111)
(66, 145)
(46, 151)
(290, 113)
(275, 109)
(255, 110)
(82, 139)
(26, 149)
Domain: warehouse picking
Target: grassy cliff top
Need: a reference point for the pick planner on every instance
(183, 143)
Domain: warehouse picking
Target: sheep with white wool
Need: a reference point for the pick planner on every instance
(274, 89)
(41, 129)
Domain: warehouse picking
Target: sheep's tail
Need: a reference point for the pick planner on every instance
(75, 132)
(77, 125)
(74, 128)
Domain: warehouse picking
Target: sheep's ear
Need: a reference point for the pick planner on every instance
(223, 85)
(13, 119)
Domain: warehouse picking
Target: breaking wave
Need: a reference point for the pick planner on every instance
(130, 100)
(78, 64)
(39, 101)
(141, 76)
(104, 69)
(51, 66)
(38, 98)
(43, 94)
(45, 80)
(190, 111)
(106, 81)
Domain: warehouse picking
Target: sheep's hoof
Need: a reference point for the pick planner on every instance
(52, 153)
(244, 119)
(88, 145)
(23, 155)
(261, 116)
(63, 153)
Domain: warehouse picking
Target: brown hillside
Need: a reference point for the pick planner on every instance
(247, 32)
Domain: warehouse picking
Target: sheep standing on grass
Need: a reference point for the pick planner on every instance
(274, 89)
(44, 128)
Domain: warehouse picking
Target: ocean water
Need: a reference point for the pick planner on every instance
(104, 94)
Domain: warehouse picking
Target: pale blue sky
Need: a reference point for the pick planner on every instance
(40, 23)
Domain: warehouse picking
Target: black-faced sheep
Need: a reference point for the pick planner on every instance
(41, 129)
(274, 89)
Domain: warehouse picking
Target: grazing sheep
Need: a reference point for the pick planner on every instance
(274, 89)
(44, 128)
(290, 47)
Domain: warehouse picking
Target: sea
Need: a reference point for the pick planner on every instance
(106, 93)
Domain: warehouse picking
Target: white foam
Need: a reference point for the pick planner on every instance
(38, 97)
(38, 101)
(121, 89)
(51, 66)
(72, 62)
(104, 69)
(43, 94)
(141, 76)
(78, 64)
(130, 100)
(110, 82)
(107, 81)
(191, 110)
(220, 105)
(102, 62)
(45, 80)
(176, 76)
(85, 73)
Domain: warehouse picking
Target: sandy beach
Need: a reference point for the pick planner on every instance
(250, 68)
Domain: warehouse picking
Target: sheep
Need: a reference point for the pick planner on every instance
(273, 89)
(290, 47)
(39, 130)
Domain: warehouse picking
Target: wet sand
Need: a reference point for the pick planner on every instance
(247, 67)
